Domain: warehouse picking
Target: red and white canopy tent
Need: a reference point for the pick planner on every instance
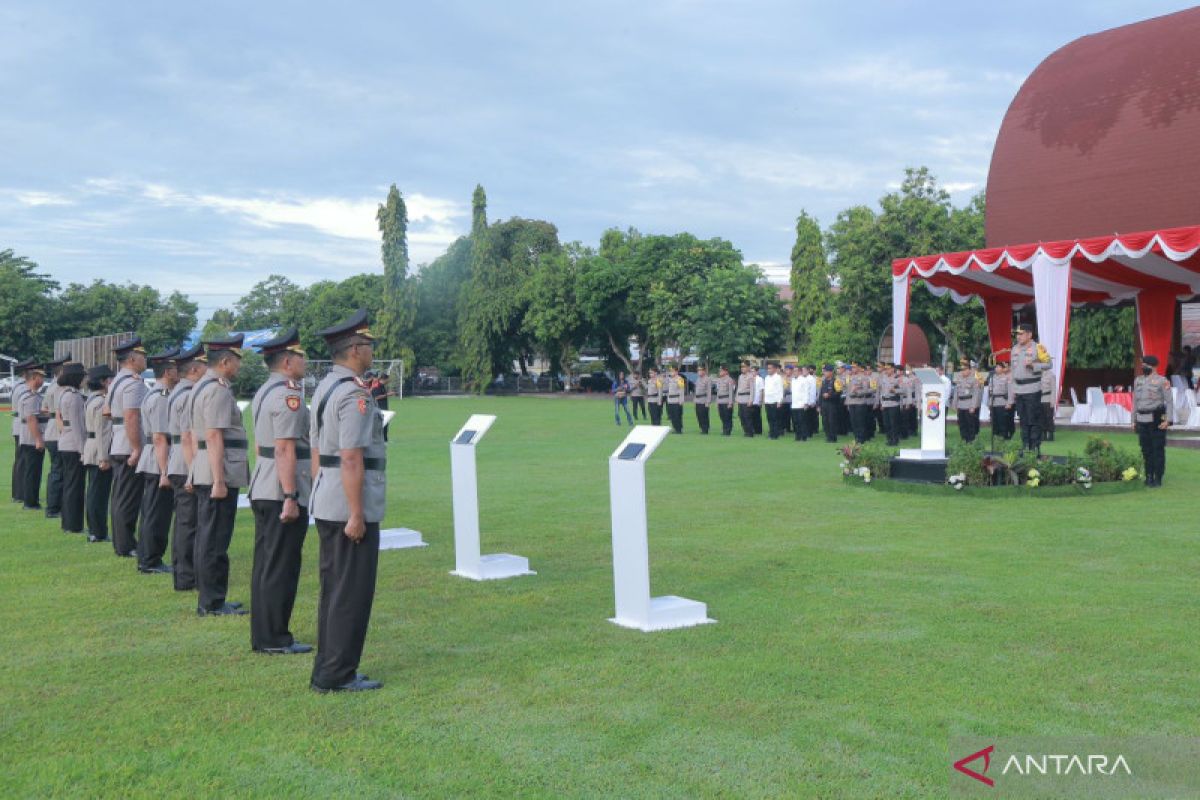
(1154, 269)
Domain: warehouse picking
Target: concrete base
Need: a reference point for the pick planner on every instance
(400, 538)
(923, 455)
(497, 566)
(669, 612)
(919, 470)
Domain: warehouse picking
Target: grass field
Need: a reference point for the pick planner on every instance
(857, 631)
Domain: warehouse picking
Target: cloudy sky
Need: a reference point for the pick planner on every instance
(203, 146)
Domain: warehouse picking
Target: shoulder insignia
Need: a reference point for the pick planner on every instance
(360, 382)
(223, 382)
(362, 405)
(293, 402)
(291, 384)
(1042, 355)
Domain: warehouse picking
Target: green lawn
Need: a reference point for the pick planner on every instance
(857, 630)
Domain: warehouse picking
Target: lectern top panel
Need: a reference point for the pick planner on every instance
(476, 427)
(631, 452)
(649, 436)
(927, 375)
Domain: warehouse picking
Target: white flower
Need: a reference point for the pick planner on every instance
(845, 464)
(1034, 474)
(1033, 483)
(867, 478)
(958, 486)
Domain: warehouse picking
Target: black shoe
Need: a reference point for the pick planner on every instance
(53, 515)
(293, 649)
(226, 610)
(31, 508)
(159, 569)
(359, 684)
(130, 554)
(93, 538)
(233, 605)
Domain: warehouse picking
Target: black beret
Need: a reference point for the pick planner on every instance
(100, 372)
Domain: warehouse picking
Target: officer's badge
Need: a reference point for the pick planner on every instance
(362, 405)
(933, 405)
(293, 402)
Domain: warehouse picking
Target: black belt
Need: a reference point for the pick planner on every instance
(118, 421)
(891, 397)
(91, 435)
(149, 439)
(1027, 381)
(230, 444)
(176, 438)
(269, 452)
(376, 464)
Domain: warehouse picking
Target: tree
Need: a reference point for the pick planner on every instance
(1101, 337)
(610, 290)
(275, 302)
(398, 312)
(27, 321)
(475, 354)
(811, 290)
(332, 301)
(101, 308)
(552, 317)
(439, 286)
(169, 324)
(733, 313)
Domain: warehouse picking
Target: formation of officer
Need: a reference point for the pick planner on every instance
(968, 398)
(1029, 361)
(1153, 413)
(1002, 401)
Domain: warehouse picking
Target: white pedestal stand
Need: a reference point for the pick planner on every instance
(631, 553)
(934, 404)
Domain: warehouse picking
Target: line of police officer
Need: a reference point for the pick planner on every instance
(143, 458)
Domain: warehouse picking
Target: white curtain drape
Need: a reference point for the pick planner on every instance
(899, 317)
(1052, 298)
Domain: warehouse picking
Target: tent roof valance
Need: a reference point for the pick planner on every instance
(1105, 269)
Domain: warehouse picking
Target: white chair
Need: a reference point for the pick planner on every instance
(1097, 410)
(1118, 415)
(1079, 414)
(1191, 412)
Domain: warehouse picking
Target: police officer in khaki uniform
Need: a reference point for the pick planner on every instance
(33, 432)
(191, 364)
(95, 453)
(968, 394)
(829, 399)
(71, 438)
(702, 398)
(219, 469)
(860, 397)
(18, 393)
(158, 499)
(637, 395)
(654, 397)
(890, 390)
(54, 479)
(726, 388)
(676, 392)
(1153, 413)
(1001, 399)
(348, 503)
(279, 494)
(1029, 361)
(745, 400)
(125, 396)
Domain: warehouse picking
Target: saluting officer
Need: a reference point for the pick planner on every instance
(279, 494)
(702, 398)
(125, 397)
(158, 499)
(1154, 412)
(191, 365)
(348, 503)
(218, 471)
(71, 440)
(33, 432)
(968, 392)
(676, 392)
(95, 453)
(1029, 361)
(18, 429)
(745, 400)
(726, 387)
(654, 397)
(54, 480)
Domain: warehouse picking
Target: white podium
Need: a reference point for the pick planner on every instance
(631, 553)
(468, 563)
(934, 402)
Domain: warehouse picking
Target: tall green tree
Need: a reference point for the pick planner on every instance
(27, 321)
(101, 308)
(611, 291)
(474, 334)
(274, 302)
(552, 317)
(735, 312)
(809, 279)
(332, 301)
(399, 296)
(439, 286)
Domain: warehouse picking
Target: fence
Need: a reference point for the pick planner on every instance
(92, 350)
(394, 370)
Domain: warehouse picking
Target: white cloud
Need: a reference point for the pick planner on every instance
(34, 199)
(885, 75)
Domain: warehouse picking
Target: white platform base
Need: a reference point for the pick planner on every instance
(243, 501)
(400, 538)
(923, 455)
(669, 612)
(497, 566)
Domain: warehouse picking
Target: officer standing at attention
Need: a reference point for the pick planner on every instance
(637, 395)
(191, 365)
(54, 480)
(702, 398)
(279, 493)
(1153, 413)
(760, 386)
(33, 441)
(18, 427)
(654, 397)
(829, 395)
(726, 388)
(95, 453)
(125, 397)
(1001, 398)
(158, 499)
(348, 503)
(785, 408)
(967, 395)
(1029, 361)
(858, 395)
(70, 445)
(890, 389)
(218, 471)
(745, 400)
(676, 392)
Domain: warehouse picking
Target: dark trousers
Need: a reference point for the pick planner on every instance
(54, 481)
(157, 505)
(1029, 406)
(382, 404)
(214, 531)
(891, 424)
(914, 424)
(774, 423)
(276, 573)
(726, 415)
(1047, 422)
(813, 413)
(18, 475)
(183, 542)
(859, 415)
(31, 465)
(72, 492)
(639, 403)
(702, 417)
(829, 419)
(800, 424)
(99, 487)
(618, 404)
(785, 414)
(746, 418)
(968, 424)
(675, 414)
(656, 413)
(347, 592)
(126, 504)
(757, 417)
(1154, 449)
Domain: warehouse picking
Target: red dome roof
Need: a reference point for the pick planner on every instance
(1103, 138)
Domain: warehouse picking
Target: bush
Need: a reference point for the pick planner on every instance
(1108, 463)
(875, 456)
(967, 460)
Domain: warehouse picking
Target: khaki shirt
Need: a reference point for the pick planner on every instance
(350, 421)
(215, 408)
(74, 431)
(891, 391)
(967, 392)
(654, 387)
(676, 390)
(18, 423)
(278, 412)
(99, 431)
(704, 387)
(1001, 392)
(31, 405)
(636, 387)
(154, 420)
(1048, 387)
(127, 391)
(1151, 395)
(179, 419)
(49, 406)
(745, 389)
(859, 391)
(1029, 361)
(725, 389)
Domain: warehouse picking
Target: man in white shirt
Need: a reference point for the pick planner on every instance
(757, 416)
(772, 397)
(804, 392)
